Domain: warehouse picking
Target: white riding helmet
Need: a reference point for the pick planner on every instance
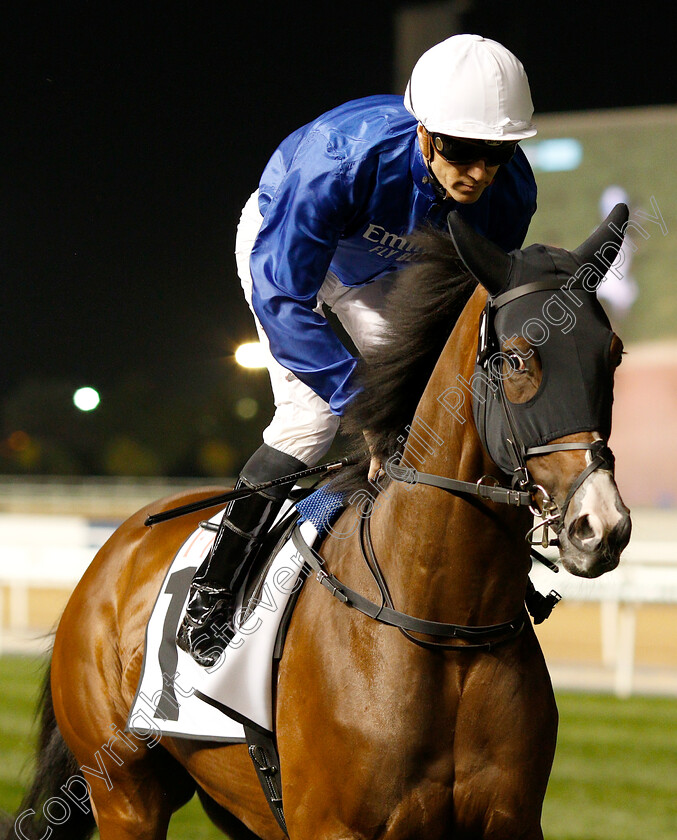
(470, 86)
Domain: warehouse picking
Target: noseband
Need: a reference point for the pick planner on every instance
(551, 514)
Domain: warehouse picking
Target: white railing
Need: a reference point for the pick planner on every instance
(101, 496)
(39, 552)
(646, 575)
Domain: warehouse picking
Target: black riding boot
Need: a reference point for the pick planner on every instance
(207, 628)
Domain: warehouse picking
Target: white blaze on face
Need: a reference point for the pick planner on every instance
(596, 527)
(598, 499)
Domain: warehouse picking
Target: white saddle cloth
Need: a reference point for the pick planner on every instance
(178, 697)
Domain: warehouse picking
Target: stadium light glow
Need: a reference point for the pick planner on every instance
(251, 355)
(86, 399)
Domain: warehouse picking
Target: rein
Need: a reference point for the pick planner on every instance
(493, 492)
(477, 638)
(522, 493)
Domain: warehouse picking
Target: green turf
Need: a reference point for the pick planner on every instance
(20, 680)
(615, 774)
(19, 686)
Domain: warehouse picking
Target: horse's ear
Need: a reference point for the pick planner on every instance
(488, 263)
(602, 247)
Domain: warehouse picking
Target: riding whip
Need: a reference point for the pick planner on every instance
(243, 492)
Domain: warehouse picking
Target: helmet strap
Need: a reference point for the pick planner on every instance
(440, 192)
(426, 146)
(428, 152)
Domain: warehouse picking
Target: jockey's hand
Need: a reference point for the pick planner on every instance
(375, 463)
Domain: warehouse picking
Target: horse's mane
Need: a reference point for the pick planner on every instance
(423, 306)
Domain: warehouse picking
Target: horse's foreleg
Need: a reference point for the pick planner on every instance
(504, 746)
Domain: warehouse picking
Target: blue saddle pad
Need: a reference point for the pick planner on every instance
(322, 508)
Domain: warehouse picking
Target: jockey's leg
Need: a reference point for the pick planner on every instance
(360, 309)
(301, 431)
(207, 623)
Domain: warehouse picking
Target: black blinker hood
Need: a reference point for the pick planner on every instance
(548, 296)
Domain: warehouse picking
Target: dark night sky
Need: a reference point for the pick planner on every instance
(131, 140)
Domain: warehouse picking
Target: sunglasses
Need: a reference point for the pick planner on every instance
(454, 150)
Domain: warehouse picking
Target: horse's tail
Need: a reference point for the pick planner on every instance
(58, 796)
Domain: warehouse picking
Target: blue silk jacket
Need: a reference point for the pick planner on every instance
(342, 193)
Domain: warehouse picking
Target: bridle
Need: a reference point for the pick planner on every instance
(522, 492)
(523, 489)
(551, 514)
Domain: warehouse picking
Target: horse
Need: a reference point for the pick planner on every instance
(384, 732)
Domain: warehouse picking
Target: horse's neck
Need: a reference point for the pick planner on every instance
(448, 557)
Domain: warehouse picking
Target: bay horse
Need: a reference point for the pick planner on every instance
(378, 736)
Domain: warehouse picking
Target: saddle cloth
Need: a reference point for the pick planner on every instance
(178, 697)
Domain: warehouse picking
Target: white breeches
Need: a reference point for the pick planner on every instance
(303, 424)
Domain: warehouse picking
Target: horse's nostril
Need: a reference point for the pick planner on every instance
(581, 529)
(587, 533)
(620, 535)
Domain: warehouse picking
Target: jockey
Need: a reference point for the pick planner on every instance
(328, 227)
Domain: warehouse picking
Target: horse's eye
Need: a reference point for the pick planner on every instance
(517, 362)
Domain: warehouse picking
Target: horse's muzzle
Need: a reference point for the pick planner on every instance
(589, 550)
